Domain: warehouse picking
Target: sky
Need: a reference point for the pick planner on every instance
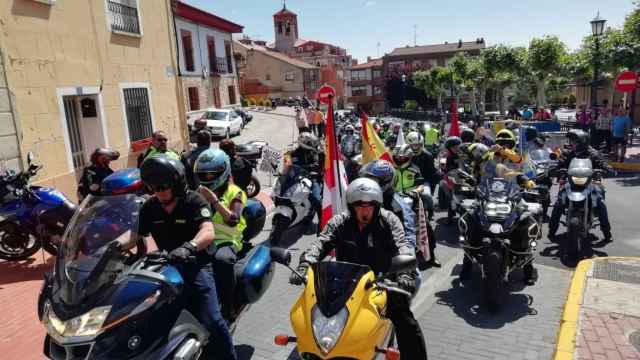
(360, 25)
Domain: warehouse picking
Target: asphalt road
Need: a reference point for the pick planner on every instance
(451, 314)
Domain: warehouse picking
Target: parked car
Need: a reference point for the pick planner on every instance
(223, 122)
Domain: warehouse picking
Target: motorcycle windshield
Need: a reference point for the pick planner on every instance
(334, 283)
(89, 259)
(498, 189)
(539, 155)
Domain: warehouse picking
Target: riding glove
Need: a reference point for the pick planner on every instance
(294, 279)
(184, 252)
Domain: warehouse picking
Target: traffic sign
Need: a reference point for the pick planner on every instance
(626, 81)
(326, 93)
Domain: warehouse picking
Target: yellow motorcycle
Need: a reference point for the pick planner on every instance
(341, 313)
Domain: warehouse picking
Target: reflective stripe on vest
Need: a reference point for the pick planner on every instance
(224, 232)
(405, 180)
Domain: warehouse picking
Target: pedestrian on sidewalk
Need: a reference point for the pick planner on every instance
(583, 119)
(621, 127)
(301, 121)
(603, 126)
(319, 121)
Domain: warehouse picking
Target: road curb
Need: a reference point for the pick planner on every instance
(566, 338)
(626, 167)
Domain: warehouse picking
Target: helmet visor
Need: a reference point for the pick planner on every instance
(208, 177)
(508, 143)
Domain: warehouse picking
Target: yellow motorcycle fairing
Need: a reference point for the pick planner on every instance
(365, 329)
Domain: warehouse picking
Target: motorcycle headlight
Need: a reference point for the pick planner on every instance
(327, 331)
(85, 325)
(579, 180)
(493, 209)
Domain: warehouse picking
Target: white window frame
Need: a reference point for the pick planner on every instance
(127, 85)
(108, 16)
(360, 87)
(79, 91)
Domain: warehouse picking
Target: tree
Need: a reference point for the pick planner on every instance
(503, 64)
(433, 82)
(544, 60)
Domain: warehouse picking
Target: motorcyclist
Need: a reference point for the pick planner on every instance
(505, 152)
(385, 130)
(178, 220)
(431, 139)
(92, 175)
(349, 144)
(213, 169)
(481, 160)
(370, 235)
(241, 168)
(308, 155)
(199, 124)
(203, 142)
(579, 148)
(158, 147)
(453, 163)
(393, 136)
(424, 161)
(467, 136)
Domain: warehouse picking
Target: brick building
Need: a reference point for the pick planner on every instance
(365, 86)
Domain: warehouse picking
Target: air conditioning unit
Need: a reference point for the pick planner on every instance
(46, 2)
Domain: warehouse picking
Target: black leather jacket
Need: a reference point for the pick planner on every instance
(596, 158)
(374, 246)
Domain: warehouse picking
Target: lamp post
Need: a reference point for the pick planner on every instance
(404, 89)
(597, 28)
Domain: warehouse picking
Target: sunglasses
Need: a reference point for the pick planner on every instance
(162, 140)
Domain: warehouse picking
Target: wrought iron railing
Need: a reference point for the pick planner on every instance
(220, 65)
(123, 18)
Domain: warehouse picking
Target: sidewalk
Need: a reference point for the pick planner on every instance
(601, 318)
(631, 162)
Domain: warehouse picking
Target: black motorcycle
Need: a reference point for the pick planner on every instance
(104, 303)
(499, 209)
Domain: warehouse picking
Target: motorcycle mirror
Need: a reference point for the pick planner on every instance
(402, 263)
(29, 158)
(281, 256)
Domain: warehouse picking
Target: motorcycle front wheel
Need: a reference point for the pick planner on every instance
(574, 238)
(253, 188)
(15, 243)
(493, 279)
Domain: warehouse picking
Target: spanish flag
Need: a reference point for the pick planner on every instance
(372, 147)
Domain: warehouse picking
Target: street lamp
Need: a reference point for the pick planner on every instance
(404, 87)
(597, 28)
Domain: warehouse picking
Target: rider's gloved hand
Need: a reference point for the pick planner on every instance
(294, 279)
(407, 282)
(184, 252)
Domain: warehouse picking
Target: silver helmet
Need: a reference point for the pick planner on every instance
(309, 141)
(364, 190)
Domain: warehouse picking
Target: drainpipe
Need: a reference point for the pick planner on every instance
(170, 5)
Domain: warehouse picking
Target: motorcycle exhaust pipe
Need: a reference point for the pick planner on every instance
(189, 350)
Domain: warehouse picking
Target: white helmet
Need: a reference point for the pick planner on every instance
(364, 190)
(415, 141)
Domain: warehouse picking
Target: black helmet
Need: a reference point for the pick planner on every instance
(531, 133)
(467, 135)
(160, 172)
(580, 138)
(110, 154)
(381, 171)
(451, 142)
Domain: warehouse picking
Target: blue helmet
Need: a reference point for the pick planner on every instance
(381, 171)
(212, 168)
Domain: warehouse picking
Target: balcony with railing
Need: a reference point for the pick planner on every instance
(220, 65)
(124, 18)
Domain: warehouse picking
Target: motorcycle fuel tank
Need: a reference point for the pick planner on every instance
(50, 196)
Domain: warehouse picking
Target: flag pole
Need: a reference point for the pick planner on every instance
(335, 143)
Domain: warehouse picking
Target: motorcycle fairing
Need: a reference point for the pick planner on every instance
(254, 273)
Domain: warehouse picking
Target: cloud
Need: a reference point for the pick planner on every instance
(369, 3)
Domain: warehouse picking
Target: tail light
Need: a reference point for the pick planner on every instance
(281, 340)
(392, 354)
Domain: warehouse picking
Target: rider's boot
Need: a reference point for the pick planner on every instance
(467, 266)
(530, 274)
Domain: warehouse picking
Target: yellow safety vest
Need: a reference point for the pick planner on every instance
(431, 136)
(225, 233)
(405, 180)
(155, 152)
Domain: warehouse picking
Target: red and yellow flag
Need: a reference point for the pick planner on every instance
(335, 177)
(372, 147)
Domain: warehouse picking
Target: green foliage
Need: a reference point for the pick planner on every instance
(410, 105)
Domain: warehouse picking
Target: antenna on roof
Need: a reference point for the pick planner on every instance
(378, 51)
(415, 35)
(284, 4)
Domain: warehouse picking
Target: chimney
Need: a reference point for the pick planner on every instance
(460, 43)
(368, 58)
